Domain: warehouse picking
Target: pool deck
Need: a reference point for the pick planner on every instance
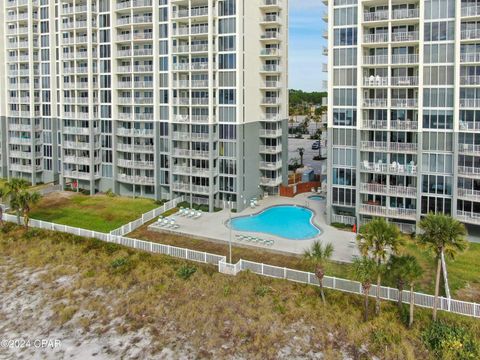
(212, 226)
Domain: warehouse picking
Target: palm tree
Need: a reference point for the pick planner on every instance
(301, 152)
(25, 201)
(318, 254)
(378, 239)
(12, 189)
(404, 270)
(443, 235)
(365, 271)
(412, 272)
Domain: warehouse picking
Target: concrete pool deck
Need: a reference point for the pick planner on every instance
(213, 226)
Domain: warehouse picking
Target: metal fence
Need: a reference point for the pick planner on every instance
(135, 224)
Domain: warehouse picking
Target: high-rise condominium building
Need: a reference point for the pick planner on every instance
(404, 96)
(157, 98)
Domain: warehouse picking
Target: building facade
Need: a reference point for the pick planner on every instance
(404, 95)
(153, 98)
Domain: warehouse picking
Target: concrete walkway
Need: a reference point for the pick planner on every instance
(214, 226)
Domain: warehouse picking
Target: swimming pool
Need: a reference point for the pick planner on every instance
(287, 221)
(317, 197)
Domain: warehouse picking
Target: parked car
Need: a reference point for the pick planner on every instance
(316, 145)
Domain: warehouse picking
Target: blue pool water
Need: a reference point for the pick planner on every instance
(317, 197)
(291, 222)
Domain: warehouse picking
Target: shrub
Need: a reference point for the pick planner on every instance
(7, 227)
(31, 233)
(121, 265)
(451, 342)
(185, 271)
(110, 193)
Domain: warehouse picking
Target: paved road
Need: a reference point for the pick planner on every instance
(294, 144)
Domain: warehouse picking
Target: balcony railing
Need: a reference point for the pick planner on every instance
(388, 211)
(375, 124)
(471, 34)
(139, 180)
(469, 125)
(469, 193)
(469, 148)
(468, 217)
(405, 14)
(389, 189)
(135, 164)
(375, 59)
(404, 125)
(470, 10)
(404, 103)
(374, 145)
(396, 146)
(375, 38)
(375, 81)
(470, 80)
(375, 15)
(266, 181)
(375, 102)
(469, 103)
(405, 59)
(405, 81)
(470, 57)
(393, 168)
(405, 36)
(270, 149)
(469, 170)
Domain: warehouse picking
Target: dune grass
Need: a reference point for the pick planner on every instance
(219, 316)
(99, 212)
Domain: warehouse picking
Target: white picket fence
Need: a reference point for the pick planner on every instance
(349, 286)
(135, 224)
(344, 285)
(182, 253)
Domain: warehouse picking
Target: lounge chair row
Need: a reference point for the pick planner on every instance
(190, 213)
(167, 223)
(254, 239)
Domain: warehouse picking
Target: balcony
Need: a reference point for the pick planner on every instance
(266, 149)
(375, 81)
(473, 57)
(375, 124)
(270, 165)
(270, 52)
(369, 103)
(374, 145)
(471, 34)
(405, 36)
(135, 148)
(469, 149)
(402, 147)
(404, 103)
(399, 14)
(469, 103)
(375, 38)
(134, 132)
(403, 125)
(193, 118)
(377, 210)
(469, 125)
(470, 10)
(405, 81)
(393, 168)
(271, 68)
(470, 80)
(25, 168)
(81, 160)
(137, 180)
(375, 59)
(469, 194)
(389, 190)
(375, 16)
(267, 133)
(468, 217)
(266, 181)
(136, 164)
(270, 100)
(469, 171)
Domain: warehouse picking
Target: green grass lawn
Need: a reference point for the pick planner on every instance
(99, 212)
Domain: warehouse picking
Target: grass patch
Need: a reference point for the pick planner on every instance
(218, 315)
(98, 212)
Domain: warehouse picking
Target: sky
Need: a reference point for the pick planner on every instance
(306, 44)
